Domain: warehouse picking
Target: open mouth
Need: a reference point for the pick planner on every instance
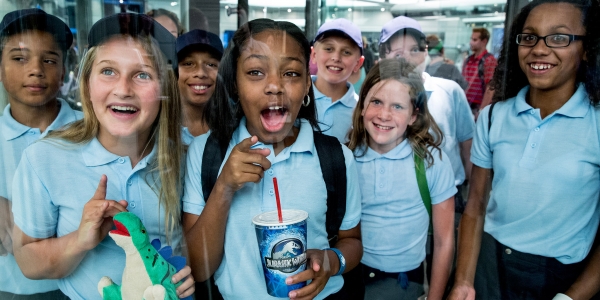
(541, 66)
(336, 69)
(123, 109)
(381, 127)
(121, 230)
(199, 87)
(274, 117)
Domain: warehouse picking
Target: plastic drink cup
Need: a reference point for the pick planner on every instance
(282, 248)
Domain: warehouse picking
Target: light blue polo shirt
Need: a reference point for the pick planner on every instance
(301, 186)
(186, 136)
(54, 181)
(546, 182)
(335, 119)
(394, 220)
(14, 138)
(449, 108)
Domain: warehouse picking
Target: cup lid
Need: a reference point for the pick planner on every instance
(270, 218)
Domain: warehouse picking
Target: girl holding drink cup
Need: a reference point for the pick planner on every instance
(391, 127)
(262, 109)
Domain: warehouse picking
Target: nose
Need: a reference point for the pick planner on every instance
(335, 56)
(274, 85)
(384, 113)
(36, 68)
(122, 88)
(201, 71)
(540, 48)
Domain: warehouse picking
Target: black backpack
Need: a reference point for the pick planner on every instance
(333, 167)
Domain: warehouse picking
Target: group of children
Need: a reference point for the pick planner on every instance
(154, 105)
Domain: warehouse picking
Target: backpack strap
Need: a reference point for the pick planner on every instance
(212, 158)
(333, 167)
(490, 116)
(423, 187)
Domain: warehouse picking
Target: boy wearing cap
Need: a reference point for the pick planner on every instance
(402, 37)
(337, 51)
(198, 53)
(33, 52)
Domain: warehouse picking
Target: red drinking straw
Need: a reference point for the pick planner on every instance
(278, 201)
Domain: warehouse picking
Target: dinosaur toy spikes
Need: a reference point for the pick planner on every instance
(147, 274)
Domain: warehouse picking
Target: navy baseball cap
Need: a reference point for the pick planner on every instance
(343, 26)
(134, 24)
(34, 18)
(410, 26)
(201, 39)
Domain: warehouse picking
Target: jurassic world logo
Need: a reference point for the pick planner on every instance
(286, 256)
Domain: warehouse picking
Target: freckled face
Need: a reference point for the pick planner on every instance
(272, 81)
(124, 90)
(552, 68)
(387, 113)
(197, 77)
(31, 69)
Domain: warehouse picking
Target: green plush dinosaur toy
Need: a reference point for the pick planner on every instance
(147, 274)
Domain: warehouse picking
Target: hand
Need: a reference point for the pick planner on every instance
(462, 292)
(6, 225)
(96, 219)
(187, 287)
(244, 165)
(317, 269)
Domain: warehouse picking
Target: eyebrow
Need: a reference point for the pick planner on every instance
(265, 57)
(553, 28)
(27, 50)
(111, 62)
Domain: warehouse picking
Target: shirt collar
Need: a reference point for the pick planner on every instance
(94, 154)
(399, 152)
(349, 99)
(576, 107)
(13, 129)
(304, 142)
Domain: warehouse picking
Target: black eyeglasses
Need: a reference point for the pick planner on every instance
(551, 40)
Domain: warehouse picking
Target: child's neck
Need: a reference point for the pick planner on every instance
(35, 116)
(135, 148)
(288, 141)
(335, 91)
(192, 119)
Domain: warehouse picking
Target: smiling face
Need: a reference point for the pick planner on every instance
(552, 68)
(197, 76)
(336, 58)
(124, 90)
(387, 112)
(272, 81)
(31, 69)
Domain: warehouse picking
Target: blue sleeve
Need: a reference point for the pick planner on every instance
(193, 198)
(481, 155)
(465, 124)
(32, 206)
(440, 178)
(353, 196)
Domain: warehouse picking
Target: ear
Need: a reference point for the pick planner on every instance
(413, 118)
(313, 55)
(361, 60)
(308, 84)
(62, 78)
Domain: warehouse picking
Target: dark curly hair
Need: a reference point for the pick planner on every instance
(509, 79)
(223, 111)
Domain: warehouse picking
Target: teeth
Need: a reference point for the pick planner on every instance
(275, 107)
(123, 108)
(335, 68)
(384, 127)
(199, 87)
(540, 66)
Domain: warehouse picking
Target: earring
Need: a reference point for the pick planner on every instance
(306, 101)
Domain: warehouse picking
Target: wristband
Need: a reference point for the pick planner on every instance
(341, 258)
